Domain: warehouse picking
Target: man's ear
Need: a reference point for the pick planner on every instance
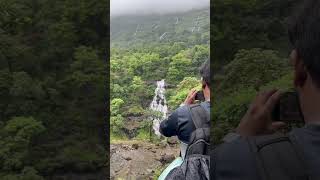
(300, 72)
(204, 84)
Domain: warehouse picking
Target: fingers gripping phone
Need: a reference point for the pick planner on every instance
(288, 108)
(199, 96)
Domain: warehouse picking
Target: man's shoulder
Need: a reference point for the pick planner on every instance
(235, 147)
(234, 158)
(307, 137)
(182, 110)
(205, 103)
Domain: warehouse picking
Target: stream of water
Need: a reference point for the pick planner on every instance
(159, 104)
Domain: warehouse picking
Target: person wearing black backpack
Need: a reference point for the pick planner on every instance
(254, 151)
(191, 124)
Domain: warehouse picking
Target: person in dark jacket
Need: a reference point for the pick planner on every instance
(179, 123)
(235, 160)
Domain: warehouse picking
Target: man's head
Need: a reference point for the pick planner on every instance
(205, 75)
(304, 35)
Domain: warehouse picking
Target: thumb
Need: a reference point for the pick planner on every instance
(273, 127)
(277, 125)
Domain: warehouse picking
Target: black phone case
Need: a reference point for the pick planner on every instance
(288, 108)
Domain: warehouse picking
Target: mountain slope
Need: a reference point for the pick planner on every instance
(192, 27)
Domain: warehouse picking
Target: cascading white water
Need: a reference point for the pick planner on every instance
(159, 104)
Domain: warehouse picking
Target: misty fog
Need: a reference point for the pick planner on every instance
(124, 7)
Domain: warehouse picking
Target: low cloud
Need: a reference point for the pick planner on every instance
(127, 7)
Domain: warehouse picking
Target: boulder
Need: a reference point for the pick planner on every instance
(172, 140)
(135, 146)
(167, 158)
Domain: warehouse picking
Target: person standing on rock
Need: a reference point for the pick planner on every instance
(180, 122)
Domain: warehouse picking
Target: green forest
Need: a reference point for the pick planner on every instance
(139, 58)
(250, 53)
(52, 88)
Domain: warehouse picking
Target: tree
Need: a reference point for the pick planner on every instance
(116, 105)
(182, 91)
(253, 68)
(26, 95)
(53, 70)
(117, 90)
(16, 137)
(5, 84)
(116, 123)
(137, 89)
(179, 67)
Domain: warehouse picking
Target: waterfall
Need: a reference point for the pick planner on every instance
(159, 104)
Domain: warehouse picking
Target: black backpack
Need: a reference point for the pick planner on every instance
(197, 160)
(278, 156)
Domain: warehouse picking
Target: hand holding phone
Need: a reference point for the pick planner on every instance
(258, 120)
(200, 96)
(288, 108)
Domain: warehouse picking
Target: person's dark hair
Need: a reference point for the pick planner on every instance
(205, 72)
(304, 36)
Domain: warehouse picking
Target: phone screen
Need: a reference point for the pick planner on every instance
(199, 96)
(288, 108)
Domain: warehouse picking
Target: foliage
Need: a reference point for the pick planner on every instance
(135, 111)
(116, 123)
(116, 119)
(28, 173)
(178, 67)
(16, 138)
(52, 84)
(182, 91)
(249, 24)
(228, 112)
(82, 159)
(252, 68)
(116, 105)
(143, 134)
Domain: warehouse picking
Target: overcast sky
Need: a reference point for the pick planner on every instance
(122, 7)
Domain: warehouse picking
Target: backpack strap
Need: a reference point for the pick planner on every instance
(278, 157)
(199, 142)
(199, 116)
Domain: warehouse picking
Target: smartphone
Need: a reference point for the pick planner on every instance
(199, 96)
(288, 108)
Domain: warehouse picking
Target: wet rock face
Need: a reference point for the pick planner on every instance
(131, 128)
(131, 133)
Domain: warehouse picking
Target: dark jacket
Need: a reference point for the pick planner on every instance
(235, 161)
(180, 123)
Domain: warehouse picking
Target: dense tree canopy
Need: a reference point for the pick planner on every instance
(52, 87)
